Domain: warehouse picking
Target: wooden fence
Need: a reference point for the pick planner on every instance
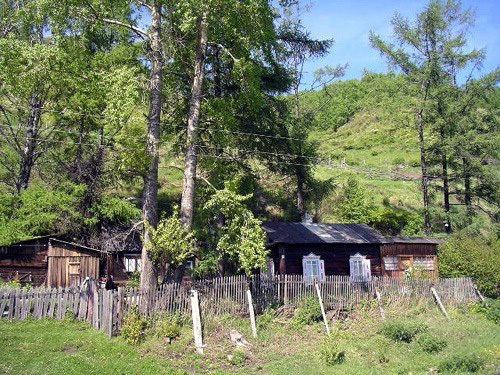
(104, 309)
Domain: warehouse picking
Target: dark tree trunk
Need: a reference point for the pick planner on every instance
(28, 151)
(425, 177)
(446, 187)
(188, 187)
(149, 277)
(467, 186)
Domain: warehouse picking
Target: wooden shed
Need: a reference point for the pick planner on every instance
(315, 250)
(418, 254)
(49, 261)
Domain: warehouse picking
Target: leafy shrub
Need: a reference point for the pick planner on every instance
(133, 327)
(401, 331)
(237, 358)
(309, 311)
(491, 311)
(168, 326)
(431, 344)
(134, 280)
(469, 254)
(461, 363)
(330, 350)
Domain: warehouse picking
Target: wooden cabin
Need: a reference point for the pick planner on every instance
(418, 254)
(50, 262)
(316, 250)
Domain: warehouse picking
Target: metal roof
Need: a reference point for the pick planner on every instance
(297, 233)
(423, 240)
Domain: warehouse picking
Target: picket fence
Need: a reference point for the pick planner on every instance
(105, 309)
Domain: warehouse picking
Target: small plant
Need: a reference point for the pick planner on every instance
(309, 311)
(134, 280)
(490, 311)
(237, 358)
(330, 350)
(133, 327)
(431, 344)
(401, 331)
(461, 363)
(168, 326)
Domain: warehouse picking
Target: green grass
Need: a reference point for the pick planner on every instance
(53, 347)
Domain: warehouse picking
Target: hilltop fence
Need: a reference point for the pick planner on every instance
(105, 309)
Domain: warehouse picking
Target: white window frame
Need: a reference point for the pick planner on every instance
(132, 263)
(425, 263)
(313, 268)
(360, 268)
(391, 263)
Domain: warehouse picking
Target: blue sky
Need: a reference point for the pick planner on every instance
(349, 24)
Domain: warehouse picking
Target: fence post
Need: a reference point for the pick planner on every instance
(438, 301)
(252, 313)
(197, 332)
(322, 308)
(379, 301)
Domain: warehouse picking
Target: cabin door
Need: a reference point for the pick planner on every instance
(74, 274)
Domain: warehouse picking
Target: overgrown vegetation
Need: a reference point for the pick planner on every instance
(308, 312)
(402, 331)
(354, 348)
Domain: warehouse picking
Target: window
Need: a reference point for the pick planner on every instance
(391, 263)
(132, 264)
(313, 268)
(424, 263)
(360, 269)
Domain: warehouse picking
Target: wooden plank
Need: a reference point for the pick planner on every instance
(252, 313)
(197, 330)
(438, 301)
(322, 308)
(4, 302)
(379, 302)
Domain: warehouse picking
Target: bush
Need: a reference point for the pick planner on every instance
(467, 254)
(491, 311)
(330, 350)
(168, 326)
(431, 344)
(461, 363)
(237, 358)
(400, 331)
(133, 327)
(309, 311)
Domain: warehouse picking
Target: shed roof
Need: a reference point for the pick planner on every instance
(421, 240)
(299, 233)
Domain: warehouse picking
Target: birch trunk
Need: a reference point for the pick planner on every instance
(149, 200)
(28, 151)
(188, 186)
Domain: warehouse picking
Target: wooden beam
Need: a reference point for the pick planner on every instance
(252, 313)
(439, 303)
(322, 309)
(197, 331)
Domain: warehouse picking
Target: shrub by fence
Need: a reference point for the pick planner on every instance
(104, 309)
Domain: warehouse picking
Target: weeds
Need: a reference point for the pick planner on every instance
(308, 312)
(461, 363)
(330, 350)
(133, 326)
(401, 331)
(431, 344)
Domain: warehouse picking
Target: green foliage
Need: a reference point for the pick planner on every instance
(133, 326)
(167, 325)
(240, 236)
(170, 242)
(330, 350)
(430, 343)
(307, 312)
(353, 205)
(491, 309)
(237, 357)
(469, 254)
(39, 211)
(114, 210)
(462, 362)
(401, 331)
(134, 280)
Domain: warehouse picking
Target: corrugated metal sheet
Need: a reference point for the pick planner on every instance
(420, 240)
(296, 233)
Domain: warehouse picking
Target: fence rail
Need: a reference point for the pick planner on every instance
(104, 309)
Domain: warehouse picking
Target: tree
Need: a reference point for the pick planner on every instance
(429, 54)
(353, 206)
(240, 237)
